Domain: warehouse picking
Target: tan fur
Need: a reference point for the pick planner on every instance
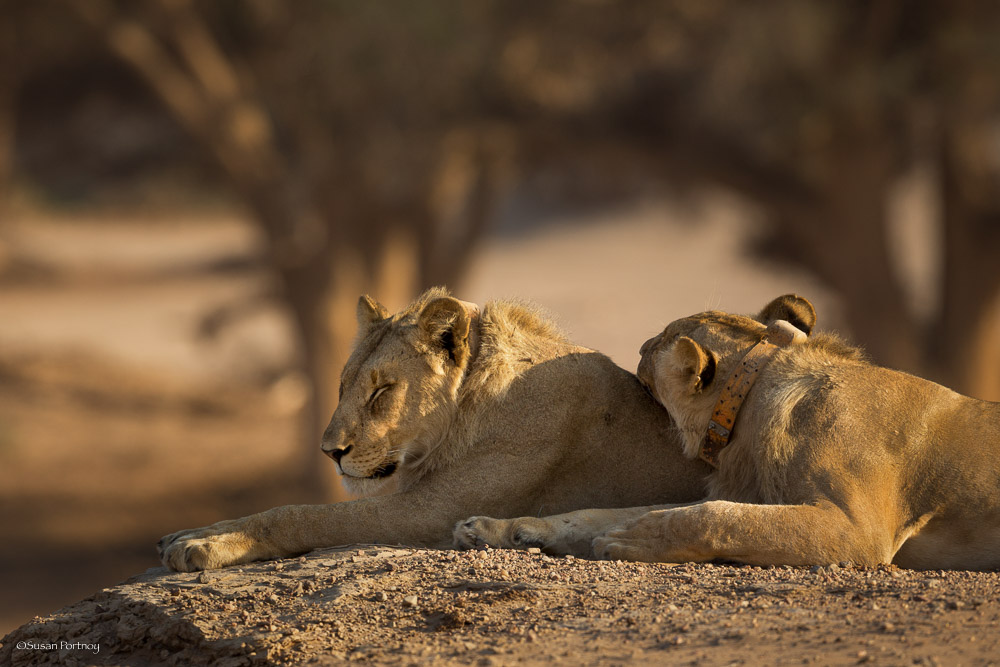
(491, 412)
(832, 459)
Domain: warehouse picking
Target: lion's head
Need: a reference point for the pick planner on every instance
(685, 366)
(399, 388)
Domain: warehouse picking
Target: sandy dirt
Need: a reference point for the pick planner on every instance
(380, 605)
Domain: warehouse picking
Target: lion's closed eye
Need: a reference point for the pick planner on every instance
(377, 393)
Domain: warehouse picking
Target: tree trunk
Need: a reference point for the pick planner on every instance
(963, 349)
(9, 82)
(320, 313)
(9, 88)
(967, 334)
(843, 240)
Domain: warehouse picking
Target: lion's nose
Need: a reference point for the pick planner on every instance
(333, 438)
(337, 454)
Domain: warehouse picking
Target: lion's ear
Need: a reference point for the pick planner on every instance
(693, 363)
(444, 323)
(370, 311)
(792, 308)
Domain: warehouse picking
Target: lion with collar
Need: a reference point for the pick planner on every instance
(448, 409)
(825, 458)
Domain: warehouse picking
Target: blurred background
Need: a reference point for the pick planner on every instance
(193, 195)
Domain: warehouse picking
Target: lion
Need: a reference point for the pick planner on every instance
(448, 410)
(829, 458)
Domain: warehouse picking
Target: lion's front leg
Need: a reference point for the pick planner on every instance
(755, 534)
(231, 542)
(420, 518)
(571, 533)
(412, 518)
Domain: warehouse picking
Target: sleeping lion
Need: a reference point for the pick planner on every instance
(448, 410)
(819, 457)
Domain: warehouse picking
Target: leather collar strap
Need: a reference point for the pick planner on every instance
(779, 334)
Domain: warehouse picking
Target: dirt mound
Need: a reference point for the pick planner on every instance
(387, 605)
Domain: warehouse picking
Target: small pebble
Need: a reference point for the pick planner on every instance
(410, 601)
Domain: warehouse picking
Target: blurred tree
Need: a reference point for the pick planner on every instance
(813, 111)
(9, 84)
(326, 120)
(369, 139)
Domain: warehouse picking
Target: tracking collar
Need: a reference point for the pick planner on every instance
(779, 334)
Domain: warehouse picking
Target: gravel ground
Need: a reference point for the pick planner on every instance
(383, 605)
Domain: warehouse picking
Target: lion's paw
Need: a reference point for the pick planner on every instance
(221, 544)
(481, 531)
(612, 547)
(471, 533)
